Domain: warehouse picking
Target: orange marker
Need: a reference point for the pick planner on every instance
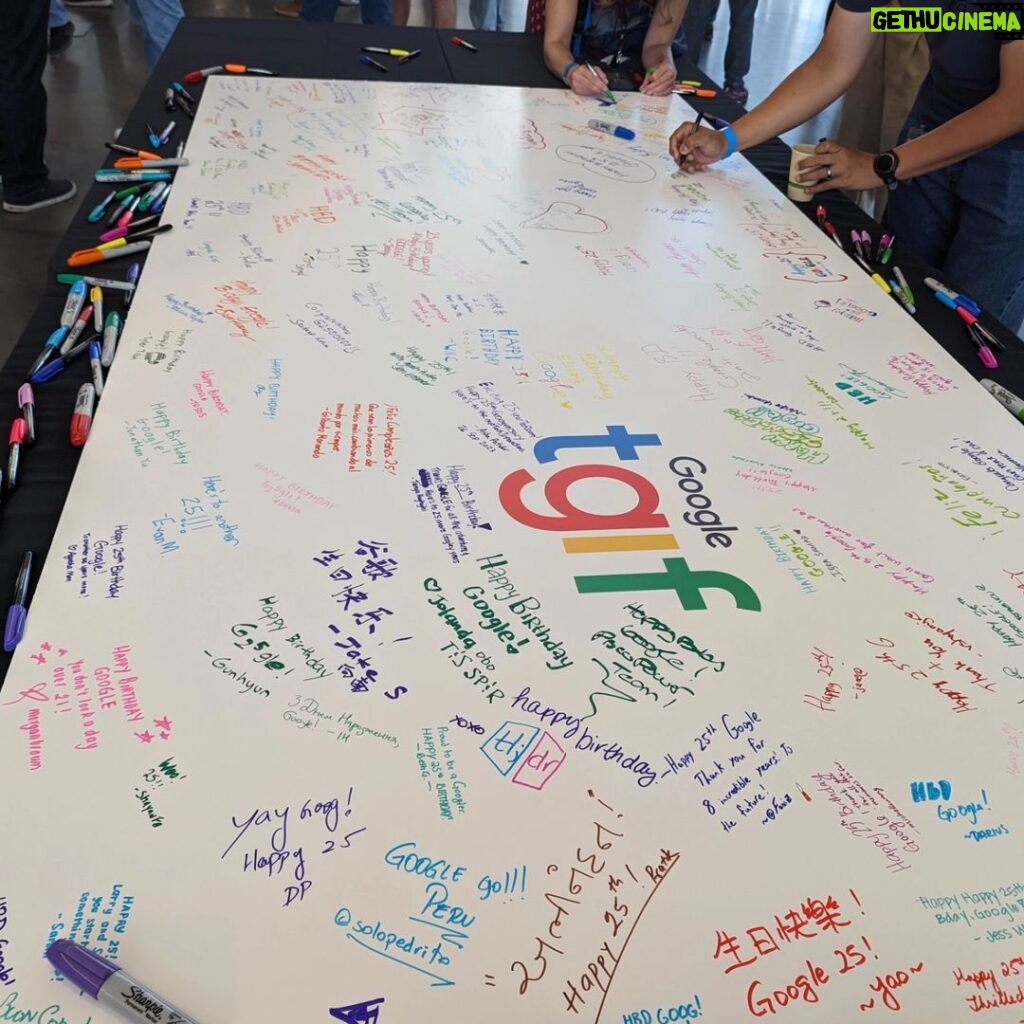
(84, 257)
(134, 163)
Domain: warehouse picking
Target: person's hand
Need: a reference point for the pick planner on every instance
(695, 152)
(659, 79)
(834, 165)
(583, 82)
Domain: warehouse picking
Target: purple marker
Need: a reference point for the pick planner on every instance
(133, 280)
(111, 986)
(27, 401)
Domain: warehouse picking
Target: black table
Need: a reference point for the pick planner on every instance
(298, 49)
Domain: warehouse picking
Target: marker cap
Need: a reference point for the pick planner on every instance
(14, 628)
(48, 372)
(19, 428)
(81, 966)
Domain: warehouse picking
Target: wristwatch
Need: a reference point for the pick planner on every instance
(885, 167)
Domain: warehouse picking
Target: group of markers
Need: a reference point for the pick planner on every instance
(866, 254)
(404, 56)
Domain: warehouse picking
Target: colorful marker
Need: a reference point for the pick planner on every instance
(458, 41)
(385, 50)
(133, 163)
(96, 298)
(111, 332)
(86, 257)
(900, 296)
(27, 403)
(56, 367)
(898, 274)
(371, 62)
(199, 76)
(411, 55)
(142, 154)
(131, 177)
(19, 431)
(165, 135)
(81, 419)
(611, 129)
(135, 226)
(50, 346)
(14, 628)
(76, 330)
(103, 282)
(1005, 398)
(97, 211)
(133, 278)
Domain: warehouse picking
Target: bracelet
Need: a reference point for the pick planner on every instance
(734, 143)
(568, 70)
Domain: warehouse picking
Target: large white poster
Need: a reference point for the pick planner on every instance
(509, 581)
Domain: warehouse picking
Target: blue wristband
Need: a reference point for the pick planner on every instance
(734, 143)
(568, 70)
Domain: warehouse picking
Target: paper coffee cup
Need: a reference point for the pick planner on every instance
(796, 190)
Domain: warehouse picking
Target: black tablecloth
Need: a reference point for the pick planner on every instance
(298, 49)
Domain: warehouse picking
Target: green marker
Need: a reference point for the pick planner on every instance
(608, 93)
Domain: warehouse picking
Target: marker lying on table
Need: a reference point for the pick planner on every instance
(97, 211)
(901, 296)
(182, 91)
(169, 100)
(95, 366)
(81, 418)
(73, 304)
(152, 194)
(689, 90)
(244, 69)
(459, 41)
(50, 347)
(611, 129)
(14, 627)
(133, 279)
(129, 214)
(984, 352)
(131, 177)
(136, 225)
(822, 214)
(109, 985)
(883, 242)
(142, 154)
(1005, 398)
(76, 330)
(961, 300)
(411, 55)
(134, 236)
(56, 367)
(182, 104)
(975, 325)
(898, 274)
(111, 333)
(133, 163)
(154, 138)
(19, 431)
(886, 254)
(372, 63)
(96, 298)
(387, 51)
(103, 282)
(27, 403)
(86, 257)
(165, 135)
(202, 74)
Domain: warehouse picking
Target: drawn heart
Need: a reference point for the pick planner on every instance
(567, 217)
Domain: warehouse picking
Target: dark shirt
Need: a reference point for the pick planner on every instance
(964, 68)
(614, 30)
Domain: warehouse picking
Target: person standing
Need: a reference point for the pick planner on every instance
(27, 185)
(442, 13)
(372, 12)
(700, 16)
(955, 177)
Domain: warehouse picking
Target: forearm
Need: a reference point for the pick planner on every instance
(656, 53)
(976, 129)
(556, 56)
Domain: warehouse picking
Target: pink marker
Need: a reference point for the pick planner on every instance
(27, 401)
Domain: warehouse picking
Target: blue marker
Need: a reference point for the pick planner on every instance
(133, 279)
(14, 628)
(611, 129)
(56, 367)
(53, 342)
(97, 211)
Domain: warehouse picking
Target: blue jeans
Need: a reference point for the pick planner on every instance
(157, 20)
(372, 12)
(967, 220)
(58, 14)
(701, 13)
(486, 14)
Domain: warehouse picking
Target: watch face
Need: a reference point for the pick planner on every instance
(885, 164)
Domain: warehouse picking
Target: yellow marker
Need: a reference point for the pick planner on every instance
(881, 282)
(690, 81)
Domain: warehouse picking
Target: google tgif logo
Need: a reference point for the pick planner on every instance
(607, 534)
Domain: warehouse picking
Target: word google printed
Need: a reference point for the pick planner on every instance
(508, 580)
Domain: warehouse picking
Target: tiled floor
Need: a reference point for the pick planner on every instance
(93, 85)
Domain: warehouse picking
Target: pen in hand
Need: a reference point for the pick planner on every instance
(607, 91)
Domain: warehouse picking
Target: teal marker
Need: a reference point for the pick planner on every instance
(98, 210)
